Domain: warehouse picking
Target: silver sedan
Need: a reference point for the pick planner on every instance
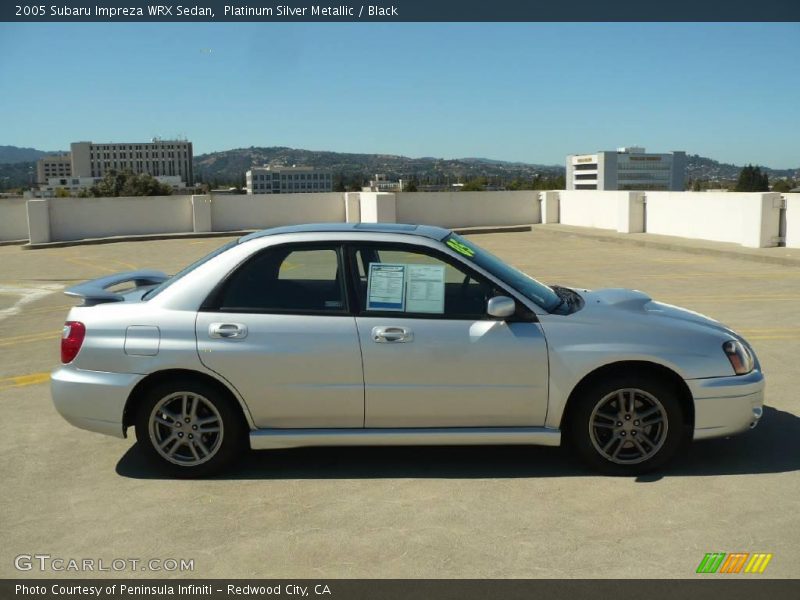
(384, 334)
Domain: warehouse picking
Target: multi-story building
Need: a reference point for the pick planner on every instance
(170, 158)
(381, 184)
(271, 179)
(628, 168)
(53, 166)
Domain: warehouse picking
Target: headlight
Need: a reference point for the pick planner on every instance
(740, 357)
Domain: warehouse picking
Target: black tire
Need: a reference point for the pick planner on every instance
(629, 442)
(217, 428)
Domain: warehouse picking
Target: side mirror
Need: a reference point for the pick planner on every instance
(501, 307)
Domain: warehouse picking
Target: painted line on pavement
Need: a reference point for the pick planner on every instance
(29, 338)
(18, 381)
(26, 294)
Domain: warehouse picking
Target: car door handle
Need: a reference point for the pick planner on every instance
(234, 331)
(385, 335)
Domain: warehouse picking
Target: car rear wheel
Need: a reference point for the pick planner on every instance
(189, 429)
(628, 426)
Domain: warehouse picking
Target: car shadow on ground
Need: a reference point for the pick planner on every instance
(773, 447)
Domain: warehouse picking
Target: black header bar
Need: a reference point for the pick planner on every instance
(70, 11)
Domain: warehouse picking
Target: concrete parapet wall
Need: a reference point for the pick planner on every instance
(13, 219)
(468, 209)
(600, 209)
(79, 218)
(749, 219)
(259, 211)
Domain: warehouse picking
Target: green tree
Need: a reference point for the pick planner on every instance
(751, 179)
(109, 186)
(339, 184)
(475, 185)
(519, 183)
(61, 192)
(126, 183)
(783, 185)
(144, 185)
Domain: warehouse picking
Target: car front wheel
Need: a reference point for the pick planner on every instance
(628, 426)
(189, 429)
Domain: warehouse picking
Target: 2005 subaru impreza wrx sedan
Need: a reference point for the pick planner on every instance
(384, 334)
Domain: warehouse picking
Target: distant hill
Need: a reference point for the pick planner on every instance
(230, 165)
(14, 154)
(16, 175)
(700, 167)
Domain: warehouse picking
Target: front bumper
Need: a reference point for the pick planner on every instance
(92, 400)
(727, 405)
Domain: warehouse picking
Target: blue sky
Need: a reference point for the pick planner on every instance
(527, 92)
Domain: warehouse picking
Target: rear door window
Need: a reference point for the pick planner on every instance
(287, 280)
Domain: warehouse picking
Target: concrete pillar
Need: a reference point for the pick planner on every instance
(378, 207)
(550, 207)
(792, 220)
(630, 212)
(201, 213)
(39, 221)
(352, 207)
(761, 220)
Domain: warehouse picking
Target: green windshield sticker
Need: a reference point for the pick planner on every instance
(461, 248)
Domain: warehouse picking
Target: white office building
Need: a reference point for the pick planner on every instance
(271, 179)
(629, 168)
(159, 158)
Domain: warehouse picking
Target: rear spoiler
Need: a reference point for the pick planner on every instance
(96, 291)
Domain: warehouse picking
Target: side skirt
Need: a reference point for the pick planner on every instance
(263, 439)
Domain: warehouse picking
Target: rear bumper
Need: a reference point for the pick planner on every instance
(92, 400)
(727, 405)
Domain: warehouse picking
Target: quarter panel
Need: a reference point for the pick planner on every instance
(103, 348)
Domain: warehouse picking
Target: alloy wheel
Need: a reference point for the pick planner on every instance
(185, 428)
(628, 426)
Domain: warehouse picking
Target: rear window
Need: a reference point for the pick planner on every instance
(157, 290)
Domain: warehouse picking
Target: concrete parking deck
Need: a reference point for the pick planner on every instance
(407, 512)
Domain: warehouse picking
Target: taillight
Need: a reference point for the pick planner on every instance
(71, 340)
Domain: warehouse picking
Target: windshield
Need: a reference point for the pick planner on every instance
(157, 290)
(526, 285)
